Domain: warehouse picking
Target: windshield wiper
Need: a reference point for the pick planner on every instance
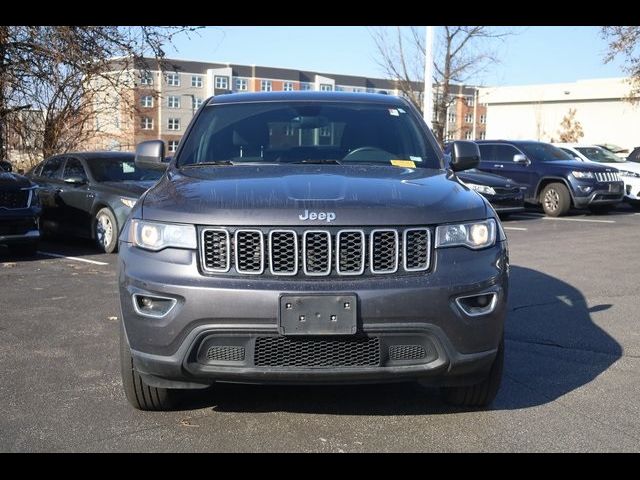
(208, 164)
(318, 161)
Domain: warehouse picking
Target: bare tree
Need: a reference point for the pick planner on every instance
(625, 42)
(60, 71)
(570, 128)
(461, 52)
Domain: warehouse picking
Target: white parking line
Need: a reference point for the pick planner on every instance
(578, 220)
(95, 262)
(515, 228)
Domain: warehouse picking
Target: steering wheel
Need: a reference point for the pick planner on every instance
(368, 151)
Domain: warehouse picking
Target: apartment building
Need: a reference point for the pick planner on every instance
(466, 116)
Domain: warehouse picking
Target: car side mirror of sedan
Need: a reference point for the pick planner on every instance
(521, 160)
(75, 180)
(150, 154)
(464, 156)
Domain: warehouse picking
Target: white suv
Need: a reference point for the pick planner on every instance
(629, 171)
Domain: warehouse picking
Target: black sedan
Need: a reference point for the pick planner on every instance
(504, 195)
(90, 194)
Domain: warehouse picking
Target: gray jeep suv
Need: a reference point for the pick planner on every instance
(311, 237)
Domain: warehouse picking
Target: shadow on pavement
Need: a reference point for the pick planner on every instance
(60, 245)
(552, 348)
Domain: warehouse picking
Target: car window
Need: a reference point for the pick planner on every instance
(51, 168)
(635, 155)
(118, 169)
(597, 154)
(573, 154)
(74, 168)
(505, 153)
(544, 152)
(37, 170)
(294, 131)
(487, 152)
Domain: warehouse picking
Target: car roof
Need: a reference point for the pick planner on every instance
(306, 95)
(101, 154)
(573, 145)
(514, 142)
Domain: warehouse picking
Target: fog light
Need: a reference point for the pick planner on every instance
(584, 188)
(475, 305)
(152, 305)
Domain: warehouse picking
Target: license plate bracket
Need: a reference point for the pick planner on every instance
(318, 314)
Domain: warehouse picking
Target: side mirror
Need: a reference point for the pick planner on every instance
(464, 156)
(150, 155)
(75, 180)
(521, 160)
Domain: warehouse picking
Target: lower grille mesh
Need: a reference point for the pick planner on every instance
(300, 352)
(226, 353)
(407, 352)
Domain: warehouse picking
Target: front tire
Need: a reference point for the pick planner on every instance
(481, 394)
(555, 200)
(138, 393)
(106, 230)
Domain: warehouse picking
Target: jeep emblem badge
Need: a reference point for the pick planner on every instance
(327, 216)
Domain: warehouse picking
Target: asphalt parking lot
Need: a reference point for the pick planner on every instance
(572, 374)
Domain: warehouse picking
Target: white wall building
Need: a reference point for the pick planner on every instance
(534, 112)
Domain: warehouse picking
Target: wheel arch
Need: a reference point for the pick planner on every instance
(543, 182)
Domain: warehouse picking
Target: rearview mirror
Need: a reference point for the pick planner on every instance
(150, 155)
(521, 160)
(464, 156)
(75, 180)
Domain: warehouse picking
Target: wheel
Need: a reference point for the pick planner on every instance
(601, 209)
(555, 199)
(106, 231)
(481, 394)
(138, 393)
(25, 249)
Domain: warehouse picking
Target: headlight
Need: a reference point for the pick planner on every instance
(627, 173)
(156, 236)
(481, 188)
(129, 202)
(474, 235)
(580, 175)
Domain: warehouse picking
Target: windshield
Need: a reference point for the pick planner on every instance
(120, 170)
(597, 154)
(308, 132)
(543, 152)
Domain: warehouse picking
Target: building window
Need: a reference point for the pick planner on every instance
(146, 101)
(222, 83)
(339, 88)
(483, 119)
(467, 135)
(173, 101)
(449, 136)
(357, 90)
(289, 130)
(470, 101)
(196, 102)
(196, 81)
(482, 135)
(241, 84)
(287, 86)
(146, 78)
(326, 87)
(173, 145)
(265, 85)
(305, 86)
(146, 123)
(468, 118)
(174, 124)
(451, 117)
(325, 132)
(173, 79)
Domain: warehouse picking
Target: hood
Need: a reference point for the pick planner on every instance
(128, 188)
(628, 166)
(488, 179)
(301, 194)
(578, 165)
(13, 181)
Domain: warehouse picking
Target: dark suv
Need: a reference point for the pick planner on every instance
(552, 177)
(19, 213)
(311, 237)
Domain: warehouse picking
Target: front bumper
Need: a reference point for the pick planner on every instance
(19, 226)
(602, 194)
(235, 317)
(631, 189)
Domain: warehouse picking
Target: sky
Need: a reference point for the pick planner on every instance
(531, 55)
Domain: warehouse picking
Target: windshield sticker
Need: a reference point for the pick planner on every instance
(128, 168)
(403, 163)
(394, 112)
(415, 159)
(401, 110)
